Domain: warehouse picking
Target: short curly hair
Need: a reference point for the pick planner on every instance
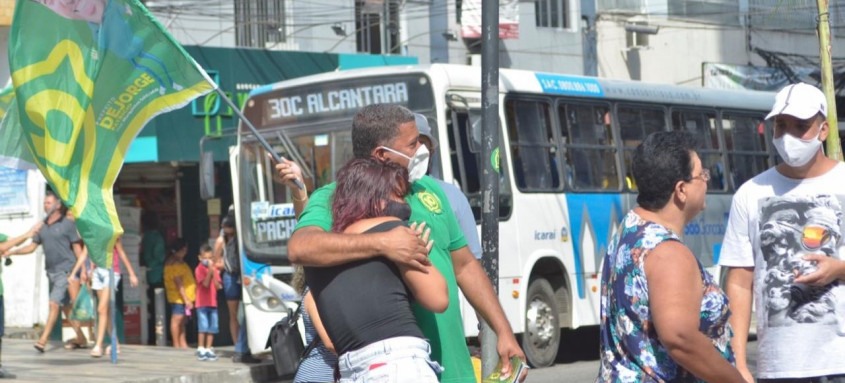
(377, 125)
(660, 161)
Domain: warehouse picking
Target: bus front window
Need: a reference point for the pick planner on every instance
(267, 217)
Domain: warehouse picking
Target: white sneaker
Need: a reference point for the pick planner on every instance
(210, 355)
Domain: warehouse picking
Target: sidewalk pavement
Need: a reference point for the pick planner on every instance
(135, 363)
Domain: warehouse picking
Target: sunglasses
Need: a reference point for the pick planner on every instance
(814, 237)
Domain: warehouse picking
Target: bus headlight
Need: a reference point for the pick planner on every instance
(268, 294)
(273, 303)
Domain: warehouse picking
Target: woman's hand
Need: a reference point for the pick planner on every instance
(424, 233)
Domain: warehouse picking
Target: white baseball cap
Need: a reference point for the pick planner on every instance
(424, 128)
(802, 101)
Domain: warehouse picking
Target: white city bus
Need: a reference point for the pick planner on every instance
(565, 179)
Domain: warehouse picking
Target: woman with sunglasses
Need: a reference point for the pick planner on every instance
(663, 318)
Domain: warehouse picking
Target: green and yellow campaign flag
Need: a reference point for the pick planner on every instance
(13, 150)
(88, 75)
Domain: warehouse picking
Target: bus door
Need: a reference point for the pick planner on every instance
(462, 146)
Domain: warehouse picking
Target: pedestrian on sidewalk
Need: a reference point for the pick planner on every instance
(153, 253)
(181, 289)
(663, 317)
(7, 243)
(784, 248)
(208, 282)
(62, 248)
(100, 283)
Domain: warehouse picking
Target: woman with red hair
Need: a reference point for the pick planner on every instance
(365, 306)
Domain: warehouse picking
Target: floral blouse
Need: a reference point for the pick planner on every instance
(630, 349)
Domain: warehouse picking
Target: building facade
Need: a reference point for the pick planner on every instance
(550, 32)
(693, 42)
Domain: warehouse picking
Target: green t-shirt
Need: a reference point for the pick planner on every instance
(3, 238)
(445, 331)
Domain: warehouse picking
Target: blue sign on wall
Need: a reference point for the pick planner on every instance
(13, 197)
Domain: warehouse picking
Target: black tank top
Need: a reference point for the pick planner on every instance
(363, 302)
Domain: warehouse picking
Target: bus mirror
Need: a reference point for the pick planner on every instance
(207, 175)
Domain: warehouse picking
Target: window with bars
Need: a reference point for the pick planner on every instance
(377, 26)
(721, 12)
(259, 22)
(551, 13)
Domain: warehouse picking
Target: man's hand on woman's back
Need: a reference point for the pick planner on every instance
(404, 246)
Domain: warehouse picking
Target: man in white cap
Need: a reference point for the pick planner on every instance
(771, 232)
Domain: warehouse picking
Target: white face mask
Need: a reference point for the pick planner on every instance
(795, 151)
(417, 165)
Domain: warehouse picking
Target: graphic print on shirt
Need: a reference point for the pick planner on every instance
(791, 228)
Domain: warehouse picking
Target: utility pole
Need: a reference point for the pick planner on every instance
(834, 150)
(490, 168)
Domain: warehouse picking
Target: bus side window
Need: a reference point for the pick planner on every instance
(588, 145)
(533, 145)
(702, 124)
(746, 141)
(635, 123)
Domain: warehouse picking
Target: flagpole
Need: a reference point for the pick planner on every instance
(112, 319)
(251, 127)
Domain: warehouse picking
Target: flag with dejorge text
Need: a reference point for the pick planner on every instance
(88, 75)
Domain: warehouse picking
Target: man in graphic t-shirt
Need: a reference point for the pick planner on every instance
(785, 238)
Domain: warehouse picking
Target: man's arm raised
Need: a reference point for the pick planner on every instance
(313, 246)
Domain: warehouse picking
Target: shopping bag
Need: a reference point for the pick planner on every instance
(83, 308)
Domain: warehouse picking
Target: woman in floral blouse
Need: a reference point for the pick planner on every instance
(663, 318)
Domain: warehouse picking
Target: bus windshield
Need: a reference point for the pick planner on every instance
(317, 120)
(268, 202)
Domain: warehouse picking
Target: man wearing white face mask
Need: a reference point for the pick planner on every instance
(788, 221)
(389, 133)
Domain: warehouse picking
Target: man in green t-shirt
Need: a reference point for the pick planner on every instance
(389, 132)
(7, 243)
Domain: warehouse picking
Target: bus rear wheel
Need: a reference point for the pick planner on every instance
(541, 339)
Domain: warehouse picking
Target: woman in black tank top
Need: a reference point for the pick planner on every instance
(365, 305)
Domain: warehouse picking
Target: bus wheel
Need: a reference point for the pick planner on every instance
(542, 326)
